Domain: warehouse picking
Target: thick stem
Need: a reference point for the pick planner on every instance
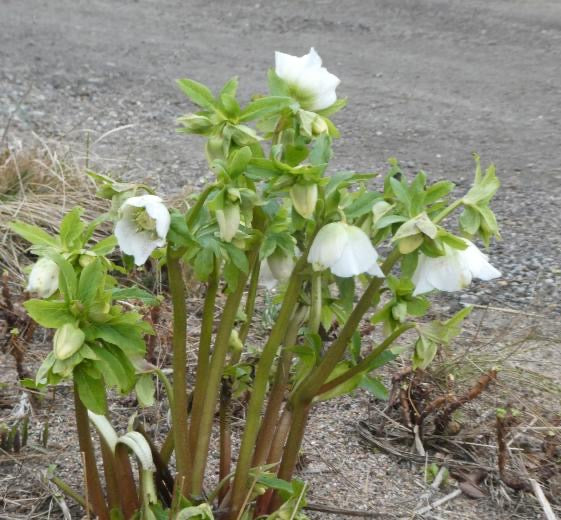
(111, 482)
(214, 378)
(179, 365)
(315, 311)
(260, 386)
(367, 361)
(95, 492)
(250, 302)
(125, 478)
(309, 388)
(292, 448)
(203, 358)
(276, 395)
(225, 439)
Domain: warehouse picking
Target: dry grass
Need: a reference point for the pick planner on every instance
(38, 185)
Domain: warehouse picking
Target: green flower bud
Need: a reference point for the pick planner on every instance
(86, 259)
(304, 198)
(195, 124)
(319, 126)
(228, 221)
(235, 343)
(67, 341)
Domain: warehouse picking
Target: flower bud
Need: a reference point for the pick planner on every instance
(195, 124)
(228, 221)
(86, 259)
(67, 341)
(319, 126)
(304, 198)
(43, 279)
(235, 343)
(281, 265)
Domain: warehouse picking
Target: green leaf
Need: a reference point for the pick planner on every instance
(128, 338)
(344, 388)
(49, 314)
(375, 387)
(238, 161)
(105, 246)
(145, 390)
(197, 93)
(231, 87)
(116, 368)
(401, 193)
(277, 86)
(33, 234)
(90, 282)
(71, 228)
(204, 264)
(90, 390)
(264, 106)
(134, 293)
(362, 204)
(238, 257)
(335, 107)
(67, 279)
(272, 482)
(230, 104)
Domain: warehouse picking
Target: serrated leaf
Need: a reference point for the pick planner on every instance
(197, 93)
(71, 227)
(265, 106)
(34, 234)
(90, 282)
(49, 314)
(90, 390)
(134, 293)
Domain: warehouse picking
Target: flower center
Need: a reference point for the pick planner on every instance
(144, 221)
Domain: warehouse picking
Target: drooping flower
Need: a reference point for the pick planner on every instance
(276, 268)
(304, 198)
(453, 271)
(43, 279)
(346, 250)
(67, 341)
(310, 83)
(143, 226)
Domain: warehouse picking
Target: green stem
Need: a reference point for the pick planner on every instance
(250, 302)
(179, 365)
(276, 395)
(203, 358)
(315, 311)
(95, 492)
(193, 213)
(446, 211)
(292, 449)
(260, 386)
(367, 361)
(309, 388)
(111, 482)
(167, 447)
(167, 385)
(72, 493)
(214, 378)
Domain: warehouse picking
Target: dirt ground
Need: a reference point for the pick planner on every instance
(428, 82)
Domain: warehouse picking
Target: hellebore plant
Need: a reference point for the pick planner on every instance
(337, 248)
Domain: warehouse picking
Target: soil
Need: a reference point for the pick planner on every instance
(428, 82)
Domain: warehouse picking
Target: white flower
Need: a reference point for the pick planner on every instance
(276, 268)
(346, 250)
(228, 221)
(311, 84)
(453, 271)
(43, 279)
(143, 226)
(304, 198)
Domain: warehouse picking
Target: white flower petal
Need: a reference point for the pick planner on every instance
(311, 83)
(357, 256)
(328, 245)
(266, 278)
(161, 215)
(453, 271)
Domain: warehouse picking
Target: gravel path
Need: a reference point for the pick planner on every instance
(428, 82)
